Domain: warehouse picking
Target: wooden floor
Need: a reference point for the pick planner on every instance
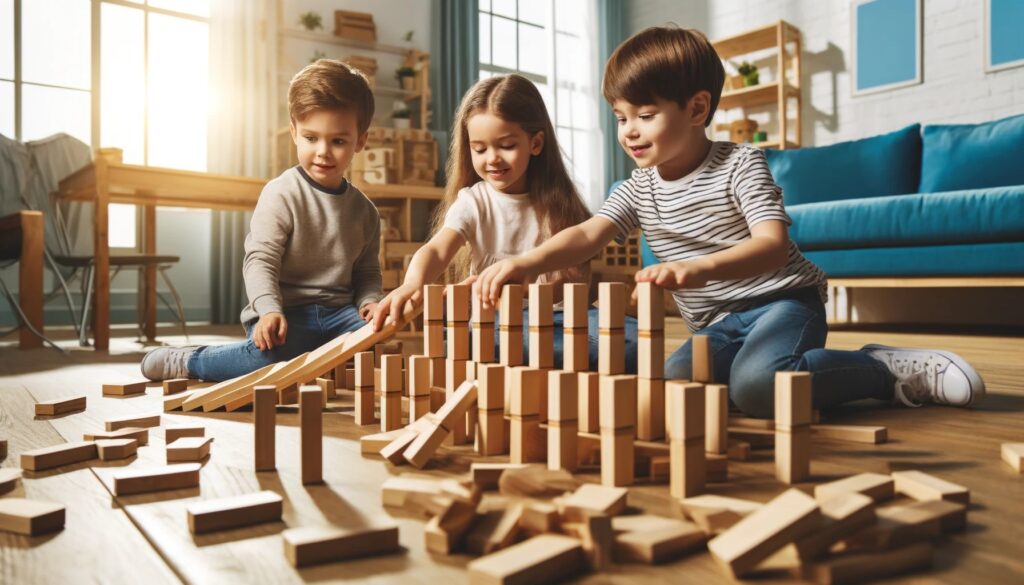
(145, 539)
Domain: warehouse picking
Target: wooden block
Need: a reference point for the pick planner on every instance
(575, 305)
(483, 342)
(592, 499)
(311, 435)
(60, 406)
(390, 411)
(1013, 455)
(852, 433)
(792, 399)
(611, 305)
(175, 385)
(458, 341)
(860, 568)
(175, 401)
(491, 386)
(757, 438)
(124, 389)
(650, 424)
(716, 418)
(510, 345)
(536, 481)
(455, 378)
(138, 422)
(527, 441)
(786, 518)
(372, 444)
(288, 394)
(688, 470)
(651, 354)
(611, 351)
(793, 455)
(589, 385)
(523, 384)
(922, 486)
(234, 512)
(542, 347)
(176, 432)
(433, 339)
(896, 526)
(313, 545)
(486, 475)
(539, 518)
(425, 445)
(715, 514)
(419, 406)
(618, 402)
(3, 449)
(188, 449)
(30, 517)
(113, 449)
(264, 411)
(433, 302)
(58, 455)
(563, 396)
(542, 301)
(738, 450)
(490, 434)
(140, 435)
(650, 313)
(154, 479)
(494, 530)
(952, 515)
(842, 515)
(458, 304)
(511, 311)
(394, 450)
(446, 531)
(479, 313)
(327, 389)
(9, 478)
(658, 545)
(686, 410)
(617, 456)
(547, 558)
(876, 486)
(418, 375)
(364, 407)
(364, 370)
(596, 534)
(575, 350)
(702, 360)
(562, 452)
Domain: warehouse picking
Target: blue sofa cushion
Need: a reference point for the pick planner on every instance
(922, 219)
(966, 156)
(993, 259)
(872, 167)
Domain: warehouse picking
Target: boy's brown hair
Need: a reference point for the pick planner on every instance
(329, 84)
(669, 63)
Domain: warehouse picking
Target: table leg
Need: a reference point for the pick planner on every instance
(149, 273)
(30, 278)
(101, 251)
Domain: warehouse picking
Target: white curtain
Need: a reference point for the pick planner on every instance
(243, 37)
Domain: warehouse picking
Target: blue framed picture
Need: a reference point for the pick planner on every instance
(886, 42)
(1004, 43)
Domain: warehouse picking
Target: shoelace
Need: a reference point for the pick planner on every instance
(915, 379)
(176, 365)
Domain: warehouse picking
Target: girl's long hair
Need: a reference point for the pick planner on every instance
(515, 99)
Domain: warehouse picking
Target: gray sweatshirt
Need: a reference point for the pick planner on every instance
(311, 245)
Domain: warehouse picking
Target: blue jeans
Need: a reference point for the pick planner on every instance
(309, 327)
(784, 334)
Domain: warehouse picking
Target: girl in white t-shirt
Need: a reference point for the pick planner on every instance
(507, 192)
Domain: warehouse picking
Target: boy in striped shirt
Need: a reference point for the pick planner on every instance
(714, 218)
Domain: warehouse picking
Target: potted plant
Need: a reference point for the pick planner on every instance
(311, 21)
(402, 118)
(406, 77)
(749, 73)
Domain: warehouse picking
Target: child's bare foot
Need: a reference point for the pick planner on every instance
(930, 375)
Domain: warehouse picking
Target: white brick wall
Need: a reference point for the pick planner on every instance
(956, 88)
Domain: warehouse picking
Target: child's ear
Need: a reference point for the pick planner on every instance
(361, 141)
(291, 128)
(700, 105)
(537, 143)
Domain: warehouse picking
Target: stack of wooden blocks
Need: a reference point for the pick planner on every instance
(510, 334)
(358, 26)
(542, 326)
(792, 426)
(490, 430)
(526, 388)
(650, 362)
(618, 429)
(686, 438)
(457, 364)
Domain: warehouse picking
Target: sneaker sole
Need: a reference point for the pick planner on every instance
(973, 378)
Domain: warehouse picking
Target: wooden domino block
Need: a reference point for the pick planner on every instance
(510, 345)
(861, 568)
(490, 436)
(575, 305)
(140, 435)
(547, 558)
(898, 526)
(842, 515)
(391, 375)
(483, 342)
(716, 418)
(542, 347)
(364, 370)
(650, 354)
(658, 545)
(1013, 455)
(175, 385)
(171, 434)
(542, 301)
(562, 451)
(563, 396)
(702, 362)
(124, 389)
(527, 391)
(313, 545)
(458, 341)
(792, 426)
(922, 486)
(650, 425)
(793, 455)
(527, 441)
(487, 475)
(688, 468)
(540, 517)
(9, 478)
(611, 305)
(618, 396)
(312, 435)
(188, 449)
(575, 350)
(433, 302)
(154, 479)
(133, 421)
(364, 407)
(458, 303)
(536, 481)
(588, 385)
(591, 499)
(58, 455)
(446, 531)
(390, 411)
(650, 313)
(598, 538)
(372, 444)
(511, 310)
(60, 406)
(479, 314)
(30, 517)
(234, 512)
(327, 388)
(433, 339)
(455, 375)
(418, 370)
(876, 486)
(617, 456)
(852, 433)
(113, 449)
(264, 412)
(784, 519)
(491, 387)
(715, 514)
(611, 351)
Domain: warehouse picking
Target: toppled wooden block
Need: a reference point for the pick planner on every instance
(1013, 455)
(112, 449)
(3, 449)
(536, 481)
(858, 568)
(446, 531)
(174, 433)
(876, 486)
(540, 517)
(494, 530)
(487, 475)
(640, 522)
(897, 526)
(952, 515)
(715, 514)
(188, 449)
(57, 455)
(394, 450)
(234, 512)
(30, 517)
(140, 435)
(372, 444)
(591, 499)
(60, 406)
(842, 515)
(313, 545)
(175, 385)
(9, 477)
(155, 479)
(425, 495)
(764, 531)
(138, 422)
(547, 558)
(176, 401)
(124, 389)
(922, 486)
(598, 538)
(451, 414)
(852, 433)
(658, 545)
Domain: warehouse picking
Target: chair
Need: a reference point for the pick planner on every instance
(21, 242)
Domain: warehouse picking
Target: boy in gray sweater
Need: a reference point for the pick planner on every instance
(311, 269)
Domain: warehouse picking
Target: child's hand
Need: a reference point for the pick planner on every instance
(394, 303)
(366, 311)
(488, 284)
(675, 275)
(270, 330)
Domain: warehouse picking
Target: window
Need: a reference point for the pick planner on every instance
(553, 44)
(152, 59)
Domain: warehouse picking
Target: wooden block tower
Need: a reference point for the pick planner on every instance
(618, 428)
(686, 439)
(364, 385)
(418, 381)
(563, 420)
(510, 334)
(575, 342)
(391, 378)
(490, 430)
(457, 364)
(542, 326)
(433, 321)
(611, 328)
(650, 362)
(527, 444)
(792, 426)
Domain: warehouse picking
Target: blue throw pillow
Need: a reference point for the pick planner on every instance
(973, 156)
(871, 167)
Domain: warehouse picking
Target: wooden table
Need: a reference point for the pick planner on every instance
(22, 234)
(104, 182)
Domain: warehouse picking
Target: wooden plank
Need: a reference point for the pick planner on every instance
(154, 479)
(658, 545)
(188, 449)
(264, 413)
(113, 449)
(876, 486)
(234, 512)
(922, 486)
(312, 431)
(58, 455)
(140, 435)
(547, 558)
(590, 499)
(313, 545)
(30, 517)
(852, 433)
(60, 406)
(173, 433)
(124, 389)
(137, 422)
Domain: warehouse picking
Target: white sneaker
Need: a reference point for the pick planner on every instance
(930, 375)
(167, 363)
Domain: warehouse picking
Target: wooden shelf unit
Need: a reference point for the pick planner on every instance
(785, 39)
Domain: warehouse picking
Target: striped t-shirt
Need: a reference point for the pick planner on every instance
(711, 209)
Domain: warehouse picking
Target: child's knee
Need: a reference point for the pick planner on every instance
(753, 392)
(678, 368)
